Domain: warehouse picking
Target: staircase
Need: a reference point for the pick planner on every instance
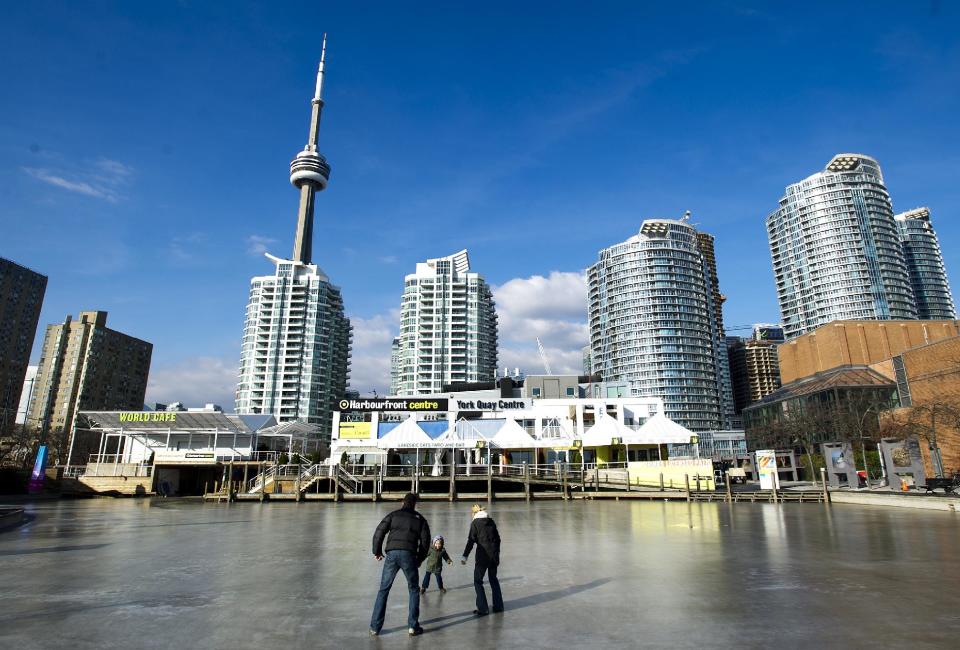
(257, 484)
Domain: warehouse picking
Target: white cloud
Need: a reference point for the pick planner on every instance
(195, 382)
(257, 245)
(79, 187)
(187, 249)
(370, 362)
(553, 309)
(561, 295)
(102, 179)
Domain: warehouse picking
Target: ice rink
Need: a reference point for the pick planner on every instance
(154, 573)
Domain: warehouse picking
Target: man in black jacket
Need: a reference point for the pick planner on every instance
(408, 540)
(483, 533)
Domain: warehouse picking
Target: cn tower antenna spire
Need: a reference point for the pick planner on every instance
(318, 95)
(309, 172)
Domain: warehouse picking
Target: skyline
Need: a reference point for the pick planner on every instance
(489, 159)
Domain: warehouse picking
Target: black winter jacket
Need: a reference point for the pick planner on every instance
(405, 530)
(483, 533)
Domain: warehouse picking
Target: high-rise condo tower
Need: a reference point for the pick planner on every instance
(928, 277)
(448, 328)
(654, 317)
(836, 249)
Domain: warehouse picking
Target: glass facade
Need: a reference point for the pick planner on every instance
(928, 277)
(654, 323)
(836, 249)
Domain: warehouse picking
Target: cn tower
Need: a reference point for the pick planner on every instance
(295, 355)
(309, 172)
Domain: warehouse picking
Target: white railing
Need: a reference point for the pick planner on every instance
(257, 482)
(117, 469)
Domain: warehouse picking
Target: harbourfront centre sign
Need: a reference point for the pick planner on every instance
(392, 404)
(432, 404)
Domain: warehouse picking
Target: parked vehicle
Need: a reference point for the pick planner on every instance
(737, 475)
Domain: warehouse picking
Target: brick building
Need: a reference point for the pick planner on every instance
(85, 365)
(857, 343)
(928, 380)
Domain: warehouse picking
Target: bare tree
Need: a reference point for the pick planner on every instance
(856, 418)
(799, 424)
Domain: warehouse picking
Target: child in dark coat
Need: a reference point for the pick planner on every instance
(434, 564)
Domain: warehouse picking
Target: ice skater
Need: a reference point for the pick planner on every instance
(483, 533)
(408, 541)
(434, 564)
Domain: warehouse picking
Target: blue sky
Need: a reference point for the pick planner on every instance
(144, 150)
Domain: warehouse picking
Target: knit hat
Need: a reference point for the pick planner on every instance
(437, 538)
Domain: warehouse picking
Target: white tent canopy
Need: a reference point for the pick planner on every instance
(461, 435)
(406, 436)
(659, 429)
(512, 436)
(602, 433)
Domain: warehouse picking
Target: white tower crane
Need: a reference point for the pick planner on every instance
(543, 357)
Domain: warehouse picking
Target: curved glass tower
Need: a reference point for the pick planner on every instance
(654, 323)
(928, 277)
(836, 249)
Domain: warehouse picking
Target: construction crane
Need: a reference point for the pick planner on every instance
(543, 357)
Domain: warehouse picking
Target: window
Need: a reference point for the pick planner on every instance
(536, 392)
(570, 391)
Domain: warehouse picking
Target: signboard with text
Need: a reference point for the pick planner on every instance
(354, 431)
(184, 457)
(767, 469)
(393, 404)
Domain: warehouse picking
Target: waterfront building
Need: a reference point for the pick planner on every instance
(474, 422)
(180, 452)
(850, 388)
(654, 323)
(84, 365)
(928, 382)
(448, 328)
(295, 357)
(21, 296)
(754, 365)
(928, 276)
(868, 368)
(836, 249)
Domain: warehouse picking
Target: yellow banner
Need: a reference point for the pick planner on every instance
(675, 473)
(354, 431)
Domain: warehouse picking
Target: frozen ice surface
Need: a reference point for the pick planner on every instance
(181, 574)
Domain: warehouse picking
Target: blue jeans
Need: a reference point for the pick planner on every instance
(491, 570)
(426, 580)
(393, 562)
